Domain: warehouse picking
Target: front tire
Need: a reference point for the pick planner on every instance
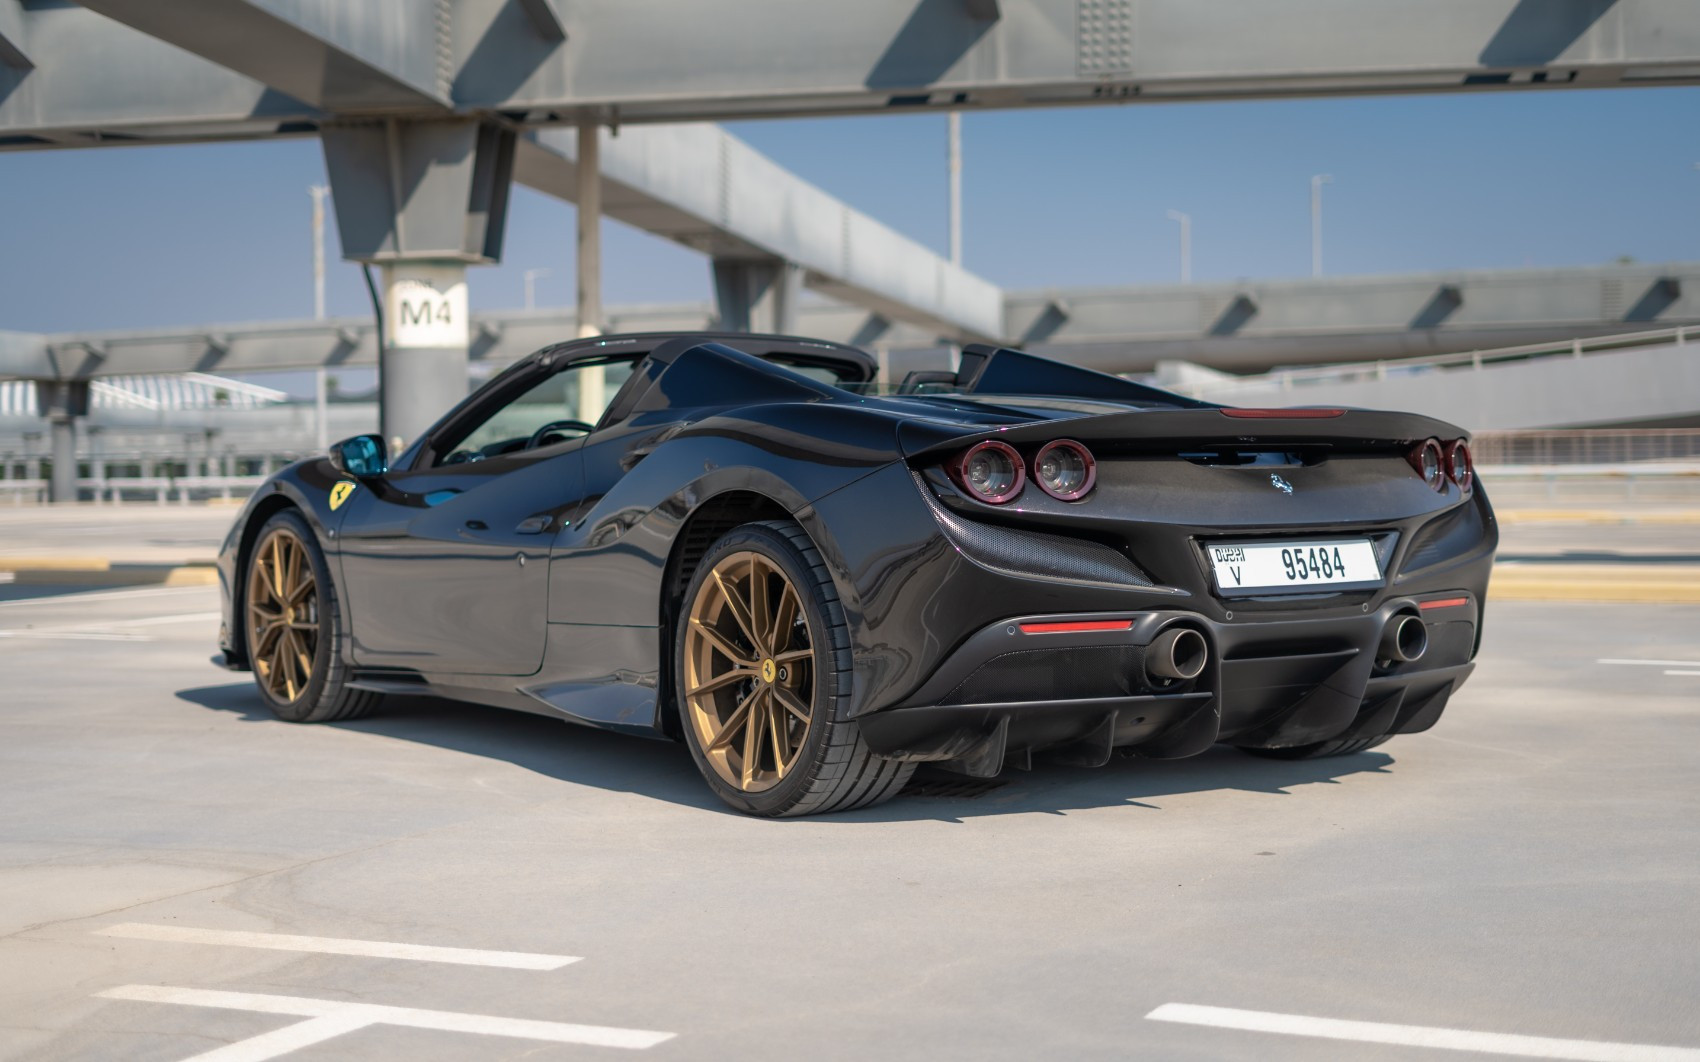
(293, 627)
(763, 668)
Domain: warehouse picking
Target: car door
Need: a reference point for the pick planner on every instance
(445, 566)
(446, 569)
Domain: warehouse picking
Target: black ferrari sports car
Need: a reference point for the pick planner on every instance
(817, 582)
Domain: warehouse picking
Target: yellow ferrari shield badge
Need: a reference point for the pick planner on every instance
(340, 493)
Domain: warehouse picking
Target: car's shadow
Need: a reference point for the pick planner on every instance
(662, 770)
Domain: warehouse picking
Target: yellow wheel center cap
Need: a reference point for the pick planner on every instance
(768, 670)
(289, 615)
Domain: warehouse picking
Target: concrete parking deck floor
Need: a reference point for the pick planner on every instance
(1527, 868)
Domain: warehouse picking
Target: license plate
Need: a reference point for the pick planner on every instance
(1286, 566)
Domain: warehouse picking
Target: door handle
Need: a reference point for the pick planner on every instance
(630, 458)
(477, 525)
(532, 525)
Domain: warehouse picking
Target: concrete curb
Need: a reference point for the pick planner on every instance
(1627, 583)
(101, 571)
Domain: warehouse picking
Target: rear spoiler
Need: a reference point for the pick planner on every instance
(987, 370)
(1181, 429)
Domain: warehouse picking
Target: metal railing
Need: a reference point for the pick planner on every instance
(1587, 446)
(115, 478)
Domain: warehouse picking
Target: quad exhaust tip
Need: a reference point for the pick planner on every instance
(1177, 653)
(1404, 639)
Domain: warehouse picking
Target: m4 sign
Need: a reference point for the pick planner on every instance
(425, 306)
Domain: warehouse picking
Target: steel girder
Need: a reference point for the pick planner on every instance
(538, 61)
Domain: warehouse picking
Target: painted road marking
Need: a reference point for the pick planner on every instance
(381, 949)
(108, 631)
(1687, 673)
(1653, 663)
(101, 595)
(1375, 1032)
(330, 1018)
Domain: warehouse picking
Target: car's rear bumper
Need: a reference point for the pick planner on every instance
(1021, 686)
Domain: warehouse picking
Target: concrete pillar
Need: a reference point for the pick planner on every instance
(97, 463)
(423, 200)
(757, 295)
(63, 486)
(422, 370)
(62, 402)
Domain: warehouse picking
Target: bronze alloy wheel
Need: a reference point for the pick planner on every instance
(749, 672)
(283, 615)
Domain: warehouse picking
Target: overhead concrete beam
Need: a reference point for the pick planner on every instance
(542, 62)
(698, 64)
(13, 51)
(353, 58)
(702, 187)
(141, 90)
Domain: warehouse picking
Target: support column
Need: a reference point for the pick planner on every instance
(62, 402)
(422, 368)
(97, 463)
(423, 200)
(757, 296)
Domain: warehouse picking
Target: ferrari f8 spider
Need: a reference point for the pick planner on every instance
(816, 581)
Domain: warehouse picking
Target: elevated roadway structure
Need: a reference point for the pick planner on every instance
(1642, 380)
(1240, 327)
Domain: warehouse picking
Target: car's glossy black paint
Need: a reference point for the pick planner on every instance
(547, 580)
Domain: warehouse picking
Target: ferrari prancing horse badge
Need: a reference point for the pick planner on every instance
(340, 493)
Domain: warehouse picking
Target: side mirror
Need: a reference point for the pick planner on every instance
(362, 457)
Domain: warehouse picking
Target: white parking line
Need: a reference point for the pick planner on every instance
(330, 1018)
(1653, 663)
(102, 595)
(513, 960)
(1375, 1032)
(108, 631)
(1688, 673)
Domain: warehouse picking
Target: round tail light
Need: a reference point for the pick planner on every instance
(990, 471)
(1065, 469)
(1427, 459)
(1460, 467)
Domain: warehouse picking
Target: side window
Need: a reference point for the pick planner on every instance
(569, 403)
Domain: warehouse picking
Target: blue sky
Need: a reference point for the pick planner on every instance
(155, 237)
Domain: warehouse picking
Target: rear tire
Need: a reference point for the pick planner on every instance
(293, 627)
(1319, 749)
(761, 658)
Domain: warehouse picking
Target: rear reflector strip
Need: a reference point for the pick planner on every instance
(1283, 414)
(1077, 625)
(1450, 602)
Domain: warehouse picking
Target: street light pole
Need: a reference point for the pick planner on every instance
(1186, 243)
(321, 382)
(531, 276)
(318, 192)
(955, 188)
(1316, 184)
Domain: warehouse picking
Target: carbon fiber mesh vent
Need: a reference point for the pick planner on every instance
(1033, 553)
(1055, 675)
